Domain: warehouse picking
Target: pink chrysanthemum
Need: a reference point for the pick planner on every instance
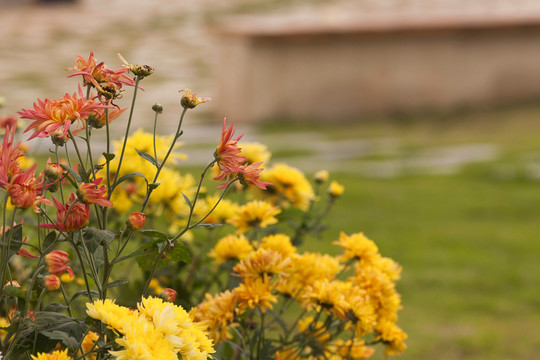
(228, 155)
(93, 193)
(25, 190)
(249, 175)
(9, 155)
(50, 115)
(96, 74)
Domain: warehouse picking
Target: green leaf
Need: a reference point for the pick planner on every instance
(116, 283)
(48, 242)
(187, 201)
(84, 176)
(56, 307)
(83, 293)
(108, 156)
(154, 234)
(73, 174)
(143, 250)
(152, 186)
(69, 341)
(147, 157)
(179, 253)
(94, 238)
(16, 239)
(206, 226)
(129, 176)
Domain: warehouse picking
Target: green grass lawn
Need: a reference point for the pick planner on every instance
(468, 242)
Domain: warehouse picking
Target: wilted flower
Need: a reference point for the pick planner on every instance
(57, 261)
(52, 282)
(189, 101)
(136, 220)
(140, 71)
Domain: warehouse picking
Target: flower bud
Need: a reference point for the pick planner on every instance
(53, 172)
(57, 261)
(13, 283)
(168, 294)
(58, 137)
(189, 101)
(135, 220)
(321, 176)
(52, 282)
(157, 108)
(335, 189)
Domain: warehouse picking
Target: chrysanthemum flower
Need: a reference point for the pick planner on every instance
(231, 247)
(329, 295)
(217, 313)
(290, 186)
(88, 344)
(357, 246)
(141, 71)
(354, 350)
(9, 155)
(52, 282)
(392, 337)
(256, 292)
(335, 189)
(109, 313)
(55, 355)
(50, 115)
(228, 155)
(96, 74)
(76, 218)
(25, 190)
(98, 118)
(249, 175)
(93, 193)
(280, 243)
(315, 330)
(262, 263)
(136, 220)
(255, 214)
(221, 213)
(57, 261)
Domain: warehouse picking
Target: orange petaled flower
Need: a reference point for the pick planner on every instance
(357, 246)
(189, 100)
(57, 261)
(250, 173)
(55, 355)
(136, 220)
(92, 193)
(262, 263)
(9, 155)
(98, 118)
(218, 314)
(50, 115)
(52, 282)
(25, 189)
(228, 155)
(95, 74)
(256, 293)
(88, 344)
(231, 247)
(76, 218)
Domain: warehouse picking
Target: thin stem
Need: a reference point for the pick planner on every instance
(84, 273)
(78, 154)
(65, 299)
(154, 137)
(127, 131)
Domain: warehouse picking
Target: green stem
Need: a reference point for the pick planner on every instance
(65, 299)
(78, 155)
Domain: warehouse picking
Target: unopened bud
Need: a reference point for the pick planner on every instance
(53, 172)
(321, 176)
(13, 283)
(58, 137)
(157, 108)
(335, 189)
(135, 220)
(168, 294)
(189, 101)
(52, 282)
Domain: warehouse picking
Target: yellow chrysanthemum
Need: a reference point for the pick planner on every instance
(280, 243)
(290, 186)
(315, 330)
(109, 313)
(357, 246)
(353, 350)
(66, 278)
(262, 263)
(88, 344)
(392, 337)
(306, 269)
(329, 295)
(231, 247)
(217, 313)
(222, 212)
(255, 214)
(155, 286)
(335, 189)
(55, 355)
(256, 292)
(255, 152)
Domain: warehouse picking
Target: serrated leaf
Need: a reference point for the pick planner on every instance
(187, 201)
(206, 226)
(116, 283)
(108, 156)
(147, 157)
(73, 174)
(68, 341)
(179, 253)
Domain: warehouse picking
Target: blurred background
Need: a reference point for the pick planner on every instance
(426, 110)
